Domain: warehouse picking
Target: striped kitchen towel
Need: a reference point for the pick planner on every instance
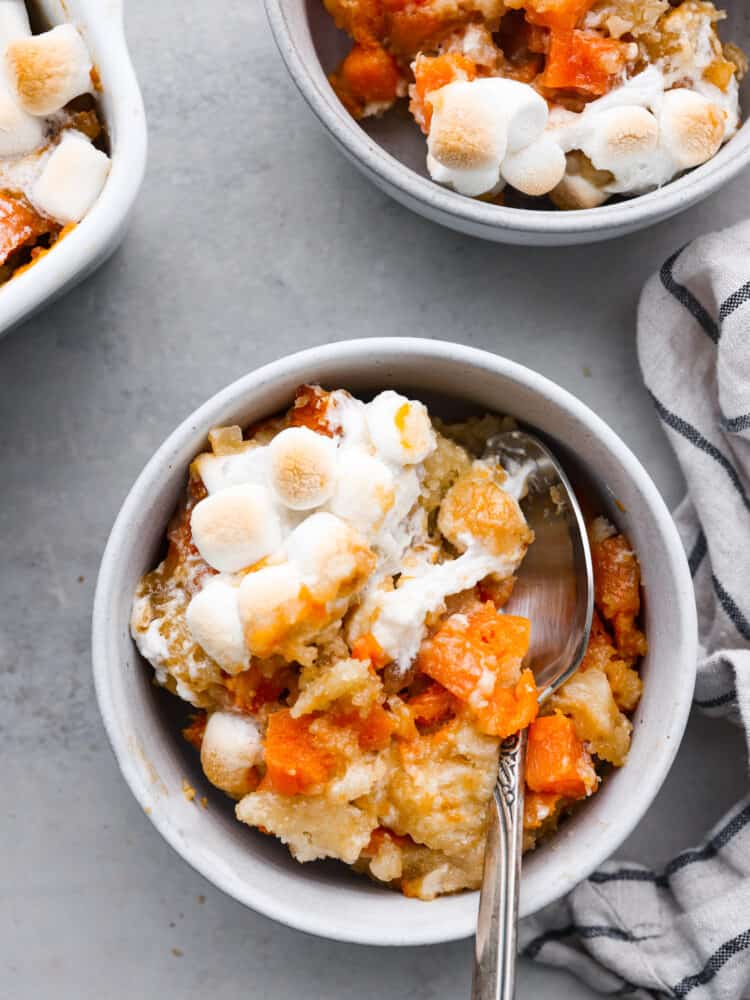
(685, 931)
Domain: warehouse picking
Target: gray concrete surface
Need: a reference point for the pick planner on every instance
(253, 237)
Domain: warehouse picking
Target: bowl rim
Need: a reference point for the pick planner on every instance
(99, 233)
(627, 215)
(104, 636)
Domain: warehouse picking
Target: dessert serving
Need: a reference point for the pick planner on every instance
(331, 606)
(53, 147)
(575, 100)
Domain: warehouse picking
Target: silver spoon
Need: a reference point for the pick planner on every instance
(555, 590)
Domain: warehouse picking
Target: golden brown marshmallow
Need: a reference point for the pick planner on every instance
(302, 467)
(692, 127)
(50, 69)
(236, 527)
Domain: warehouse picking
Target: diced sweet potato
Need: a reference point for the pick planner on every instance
(583, 61)
(20, 225)
(433, 705)
(556, 760)
(617, 581)
(557, 14)
(193, 732)
(369, 73)
(310, 409)
(367, 647)
(477, 657)
(295, 764)
(430, 74)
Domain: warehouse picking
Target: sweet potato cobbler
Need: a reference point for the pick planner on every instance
(576, 99)
(331, 604)
(53, 160)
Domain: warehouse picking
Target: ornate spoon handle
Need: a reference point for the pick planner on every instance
(495, 948)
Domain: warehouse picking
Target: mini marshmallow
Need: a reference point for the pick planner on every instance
(400, 428)
(692, 127)
(20, 132)
(624, 140)
(214, 621)
(50, 69)
(364, 491)
(72, 179)
(231, 747)
(270, 605)
(330, 554)
(536, 169)
(476, 124)
(236, 527)
(302, 467)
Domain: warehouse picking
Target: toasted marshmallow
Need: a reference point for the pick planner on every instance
(231, 747)
(364, 491)
(270, 604)
(302, 469)
(692, 127)
(50, 69)
(624, 141)
(475, 124)
(400, 428)
(20, 132)
(236, 527)
(536, 169)
(332, 556)
(214, 621)
(71, 180)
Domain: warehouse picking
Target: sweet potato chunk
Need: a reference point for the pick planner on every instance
(477, 657)
(373, 731)
(367, 647)
(583, 61)
(295, 764)
(430, 74)
(556, 760)
(20, 225)
(368, 75)
(617, 580)
(557, 14)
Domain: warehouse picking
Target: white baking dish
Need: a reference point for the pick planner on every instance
(101, 231)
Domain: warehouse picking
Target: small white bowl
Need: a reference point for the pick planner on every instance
(325, 898)
(101, 231)
(391, 151)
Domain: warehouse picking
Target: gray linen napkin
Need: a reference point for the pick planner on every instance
(685, 931)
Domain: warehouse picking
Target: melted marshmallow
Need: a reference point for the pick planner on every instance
(644, 135)
(231, 747)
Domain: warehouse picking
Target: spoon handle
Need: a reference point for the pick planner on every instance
(497, 924)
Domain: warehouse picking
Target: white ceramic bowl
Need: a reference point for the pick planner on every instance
(391, 151)
(101, 231)
(325, 898)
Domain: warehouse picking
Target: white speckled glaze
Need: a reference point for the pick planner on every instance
(325, 898)
(101, 231)
(391, 151)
